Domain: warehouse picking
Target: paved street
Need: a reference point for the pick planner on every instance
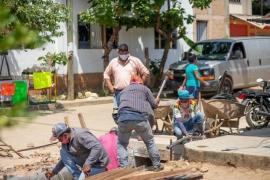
(37, 132)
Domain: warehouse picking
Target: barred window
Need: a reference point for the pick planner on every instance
(160, 41)
(235, 1)
(93, 36)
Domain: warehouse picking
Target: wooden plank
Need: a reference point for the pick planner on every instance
(113, 174)
(156, 175)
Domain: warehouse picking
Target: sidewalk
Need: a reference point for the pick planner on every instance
(86, 101)
(249, 149)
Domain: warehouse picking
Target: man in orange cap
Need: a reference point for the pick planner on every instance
(136, 105)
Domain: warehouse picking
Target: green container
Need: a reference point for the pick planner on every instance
(20, 94)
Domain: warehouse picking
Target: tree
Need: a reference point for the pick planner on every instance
(41, 16)
(108, 14)
(172, 19)
(19, 35)
(27, 24)
(145, 14)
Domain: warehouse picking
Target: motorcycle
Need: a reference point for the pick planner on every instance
(257, 104)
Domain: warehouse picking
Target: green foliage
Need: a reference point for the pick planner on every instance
(9, 116)
(16, 36)
(41, 16)
(103, 12)
(13, 34)
(145, 13)
(51, 59)
(201, 4)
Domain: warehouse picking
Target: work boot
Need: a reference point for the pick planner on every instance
(197, 130)
(158, 168)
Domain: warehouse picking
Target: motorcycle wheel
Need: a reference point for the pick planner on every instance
(253, 119)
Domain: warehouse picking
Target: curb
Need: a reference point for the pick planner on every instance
(83, 102)
(228, 158)
(73, 103)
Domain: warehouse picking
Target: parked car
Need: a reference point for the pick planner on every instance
(245, 59)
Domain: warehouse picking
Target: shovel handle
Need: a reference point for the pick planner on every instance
(162, 86)
(169, 74)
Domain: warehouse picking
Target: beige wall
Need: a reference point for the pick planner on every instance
(217, 18)
(243, 8)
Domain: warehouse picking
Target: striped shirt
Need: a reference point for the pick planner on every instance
(138, 97)
(122, 73)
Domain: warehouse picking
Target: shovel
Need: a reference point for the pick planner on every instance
(169, 75)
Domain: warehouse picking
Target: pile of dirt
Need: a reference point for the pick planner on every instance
(46, 158)
(38, 160)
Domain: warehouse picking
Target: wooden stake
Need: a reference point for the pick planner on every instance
(81, 119)
(66, 120)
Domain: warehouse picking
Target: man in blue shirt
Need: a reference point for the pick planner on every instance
(80, 148)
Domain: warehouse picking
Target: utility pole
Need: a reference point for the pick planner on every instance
(70, 71)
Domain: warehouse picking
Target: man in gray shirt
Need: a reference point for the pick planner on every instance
(136, 105)
(81, 152)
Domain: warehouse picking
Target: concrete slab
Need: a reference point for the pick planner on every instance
(250, 149)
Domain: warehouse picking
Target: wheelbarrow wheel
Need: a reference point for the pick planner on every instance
(212, 127)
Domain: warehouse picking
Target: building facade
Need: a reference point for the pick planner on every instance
(88, 62)
(219, 20)
(213, 22)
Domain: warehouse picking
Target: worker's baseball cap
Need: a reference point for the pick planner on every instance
(184, 94)
(57, 130)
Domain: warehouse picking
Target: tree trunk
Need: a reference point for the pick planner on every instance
(163, 61)
(109, 46)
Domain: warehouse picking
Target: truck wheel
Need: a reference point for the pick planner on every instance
(227, 86)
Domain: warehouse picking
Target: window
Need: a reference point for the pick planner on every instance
(93, 36)
(201, 30)
(235, 1)
(160, 41)
(214, 50)
(238, 51)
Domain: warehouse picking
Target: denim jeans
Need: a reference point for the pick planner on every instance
(194, 91)
(143, 129)
(73, 164)
(117, 98)
(197, 119)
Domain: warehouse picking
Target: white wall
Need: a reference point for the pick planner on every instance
(89, 60)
